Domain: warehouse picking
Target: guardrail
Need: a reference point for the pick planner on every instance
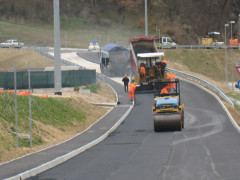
(201, 81)
(199, 47)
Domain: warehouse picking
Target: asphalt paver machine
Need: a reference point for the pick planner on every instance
(144, 53)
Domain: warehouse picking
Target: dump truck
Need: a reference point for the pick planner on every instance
(168, 111)
(114, 60)
(144, 53)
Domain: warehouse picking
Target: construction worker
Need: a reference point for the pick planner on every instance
(132, 88)
(142, 71)
(163, 65)
(125, 81)
(172, 77)
(165, 90)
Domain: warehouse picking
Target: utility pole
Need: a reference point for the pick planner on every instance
(57, 56)
(226, 68)
(238, 33)
(30, 105)
(15, 93)
(146, 19)
(232, 22)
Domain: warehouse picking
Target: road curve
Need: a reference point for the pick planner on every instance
(208, 147)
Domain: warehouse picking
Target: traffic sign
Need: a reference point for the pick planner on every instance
(237, 65)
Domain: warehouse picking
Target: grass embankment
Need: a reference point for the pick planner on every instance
(54, 120)
(56, 112)
(207, 62)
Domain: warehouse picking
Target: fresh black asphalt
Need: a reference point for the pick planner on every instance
(89, 56)
(207, 149)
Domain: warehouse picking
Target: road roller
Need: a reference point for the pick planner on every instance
(168, 112)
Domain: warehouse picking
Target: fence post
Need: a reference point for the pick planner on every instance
(15, 93)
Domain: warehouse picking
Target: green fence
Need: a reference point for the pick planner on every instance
(45, 79)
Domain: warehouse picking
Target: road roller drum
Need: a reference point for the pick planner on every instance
(167, 122)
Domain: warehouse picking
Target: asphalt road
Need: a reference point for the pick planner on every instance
(207, 149)
(92, 56)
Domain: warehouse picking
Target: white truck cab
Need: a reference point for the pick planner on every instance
(165, 42)
(11, 43)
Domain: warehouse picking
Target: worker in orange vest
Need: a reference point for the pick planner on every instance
(165, 89)
(142, 71)
(171, 76)
(163, 65)
(131, 90)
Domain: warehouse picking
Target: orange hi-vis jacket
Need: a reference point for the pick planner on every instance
(172, 76)
(164, 91)
(143, 70)
(132, 88)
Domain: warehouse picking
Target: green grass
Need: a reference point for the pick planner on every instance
(36, 140)
(209, 62)
(49, 111)
(234, 95)
(236, 106)
(93, 88)
(74, 33)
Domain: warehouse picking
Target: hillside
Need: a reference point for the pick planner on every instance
(184, 20)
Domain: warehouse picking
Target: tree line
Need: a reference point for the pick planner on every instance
(184, 20)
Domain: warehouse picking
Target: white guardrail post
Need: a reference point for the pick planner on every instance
(203, 82)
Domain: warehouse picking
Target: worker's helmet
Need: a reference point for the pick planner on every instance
(170, 73)
(125, 75)
(135, 83)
